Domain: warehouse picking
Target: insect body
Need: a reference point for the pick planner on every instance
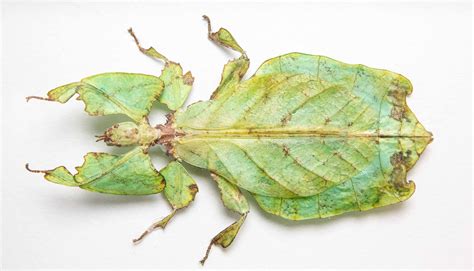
(307, 136)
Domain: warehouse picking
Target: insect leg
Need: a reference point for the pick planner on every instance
(130, 94)
(111, 174)
(235, 69)
(159, 224)
(151, 52)
(234, 200)
(180, 190)
(177, 85)
(223, 37)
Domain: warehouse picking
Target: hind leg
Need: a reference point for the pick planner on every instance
(234, 200)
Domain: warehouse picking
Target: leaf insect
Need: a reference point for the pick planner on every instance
(307, 136)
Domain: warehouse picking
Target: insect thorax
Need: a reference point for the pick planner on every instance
(129, 133)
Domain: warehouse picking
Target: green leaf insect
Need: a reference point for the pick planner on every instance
(307, 136)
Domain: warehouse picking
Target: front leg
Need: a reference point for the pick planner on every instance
(234, 200)
(177, 85)
(111, 174)
(180, 190)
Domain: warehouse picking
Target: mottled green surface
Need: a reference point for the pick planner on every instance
(177, 85)
(113, 93)
(128, 174)
(306, 135)
(330, 136)
(233, 200)
(61, 175)
(180, 191)
(231, 196)
(180, 186)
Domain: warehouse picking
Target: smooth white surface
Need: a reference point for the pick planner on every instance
(49, 226)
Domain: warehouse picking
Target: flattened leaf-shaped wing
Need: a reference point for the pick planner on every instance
(309, 126)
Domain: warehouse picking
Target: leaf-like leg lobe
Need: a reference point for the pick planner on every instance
(111, 174)
(225, 237)
(180, 190)
(177, 85)
(235, 201)
(59, 175)
(131, 94)
(222, 37)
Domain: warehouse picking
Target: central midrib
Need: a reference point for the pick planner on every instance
(279, 133)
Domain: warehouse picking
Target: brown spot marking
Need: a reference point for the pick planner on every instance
(350, 124)
(397, 94)
(398, 112)
(398, 178)
(400, 159)
(328, 69)
(327, 120)
(397, 159)
(286, 119)
(194, 188)
(286, 150)
(306, 94)
(188, 78)
(265, 97)
(398, 175)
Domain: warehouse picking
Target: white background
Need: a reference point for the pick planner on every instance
(49, 44)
